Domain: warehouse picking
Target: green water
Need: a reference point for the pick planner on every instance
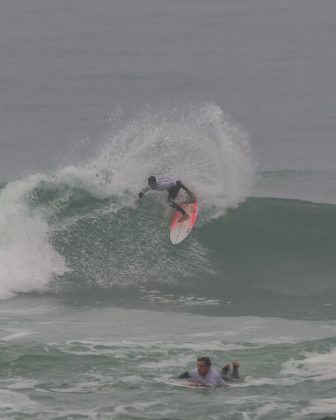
(72, 362)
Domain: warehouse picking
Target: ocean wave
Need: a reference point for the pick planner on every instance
(82, 231)
(84, 222)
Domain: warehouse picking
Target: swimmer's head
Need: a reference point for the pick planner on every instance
(203, 365)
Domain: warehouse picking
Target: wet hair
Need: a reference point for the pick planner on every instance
(151, 180)
(206, 360)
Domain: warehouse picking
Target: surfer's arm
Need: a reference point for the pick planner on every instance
(143, 191)
(184, 375)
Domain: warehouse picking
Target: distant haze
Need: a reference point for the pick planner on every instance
(67, 65)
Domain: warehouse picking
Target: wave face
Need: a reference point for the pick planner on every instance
(84, 223)
(82, 233)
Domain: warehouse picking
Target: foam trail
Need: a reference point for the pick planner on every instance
(312, 366)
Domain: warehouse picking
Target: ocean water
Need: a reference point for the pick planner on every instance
(99, 313)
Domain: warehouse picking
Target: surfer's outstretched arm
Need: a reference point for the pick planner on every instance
(184, 375)
(143, 191)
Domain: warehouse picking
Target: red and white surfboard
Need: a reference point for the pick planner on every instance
(180, 230)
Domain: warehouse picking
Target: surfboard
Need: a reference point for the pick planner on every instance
(180, 230)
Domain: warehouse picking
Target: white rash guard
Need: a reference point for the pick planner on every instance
(161, 185)
(212, 379)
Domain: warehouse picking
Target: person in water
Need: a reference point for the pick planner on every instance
(173, 188)
(205, 375)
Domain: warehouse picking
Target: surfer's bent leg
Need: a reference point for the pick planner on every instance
(175, 206)
(190, 194)
(172, 194)
(180, 185)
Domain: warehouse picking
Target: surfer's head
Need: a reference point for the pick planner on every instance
(203, 365)
(152, 181)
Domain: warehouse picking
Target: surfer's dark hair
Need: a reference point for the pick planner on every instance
(206, 360)
(151, 179)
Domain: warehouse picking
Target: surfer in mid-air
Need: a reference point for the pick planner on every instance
(173, 188)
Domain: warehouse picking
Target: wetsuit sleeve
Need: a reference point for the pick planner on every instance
(184, 375)
(143, 191)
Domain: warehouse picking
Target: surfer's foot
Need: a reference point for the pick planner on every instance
(183, 218)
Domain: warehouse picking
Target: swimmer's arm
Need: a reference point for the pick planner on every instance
(184, 375)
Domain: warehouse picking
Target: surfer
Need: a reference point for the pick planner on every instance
(173, 188)
(203, 374)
